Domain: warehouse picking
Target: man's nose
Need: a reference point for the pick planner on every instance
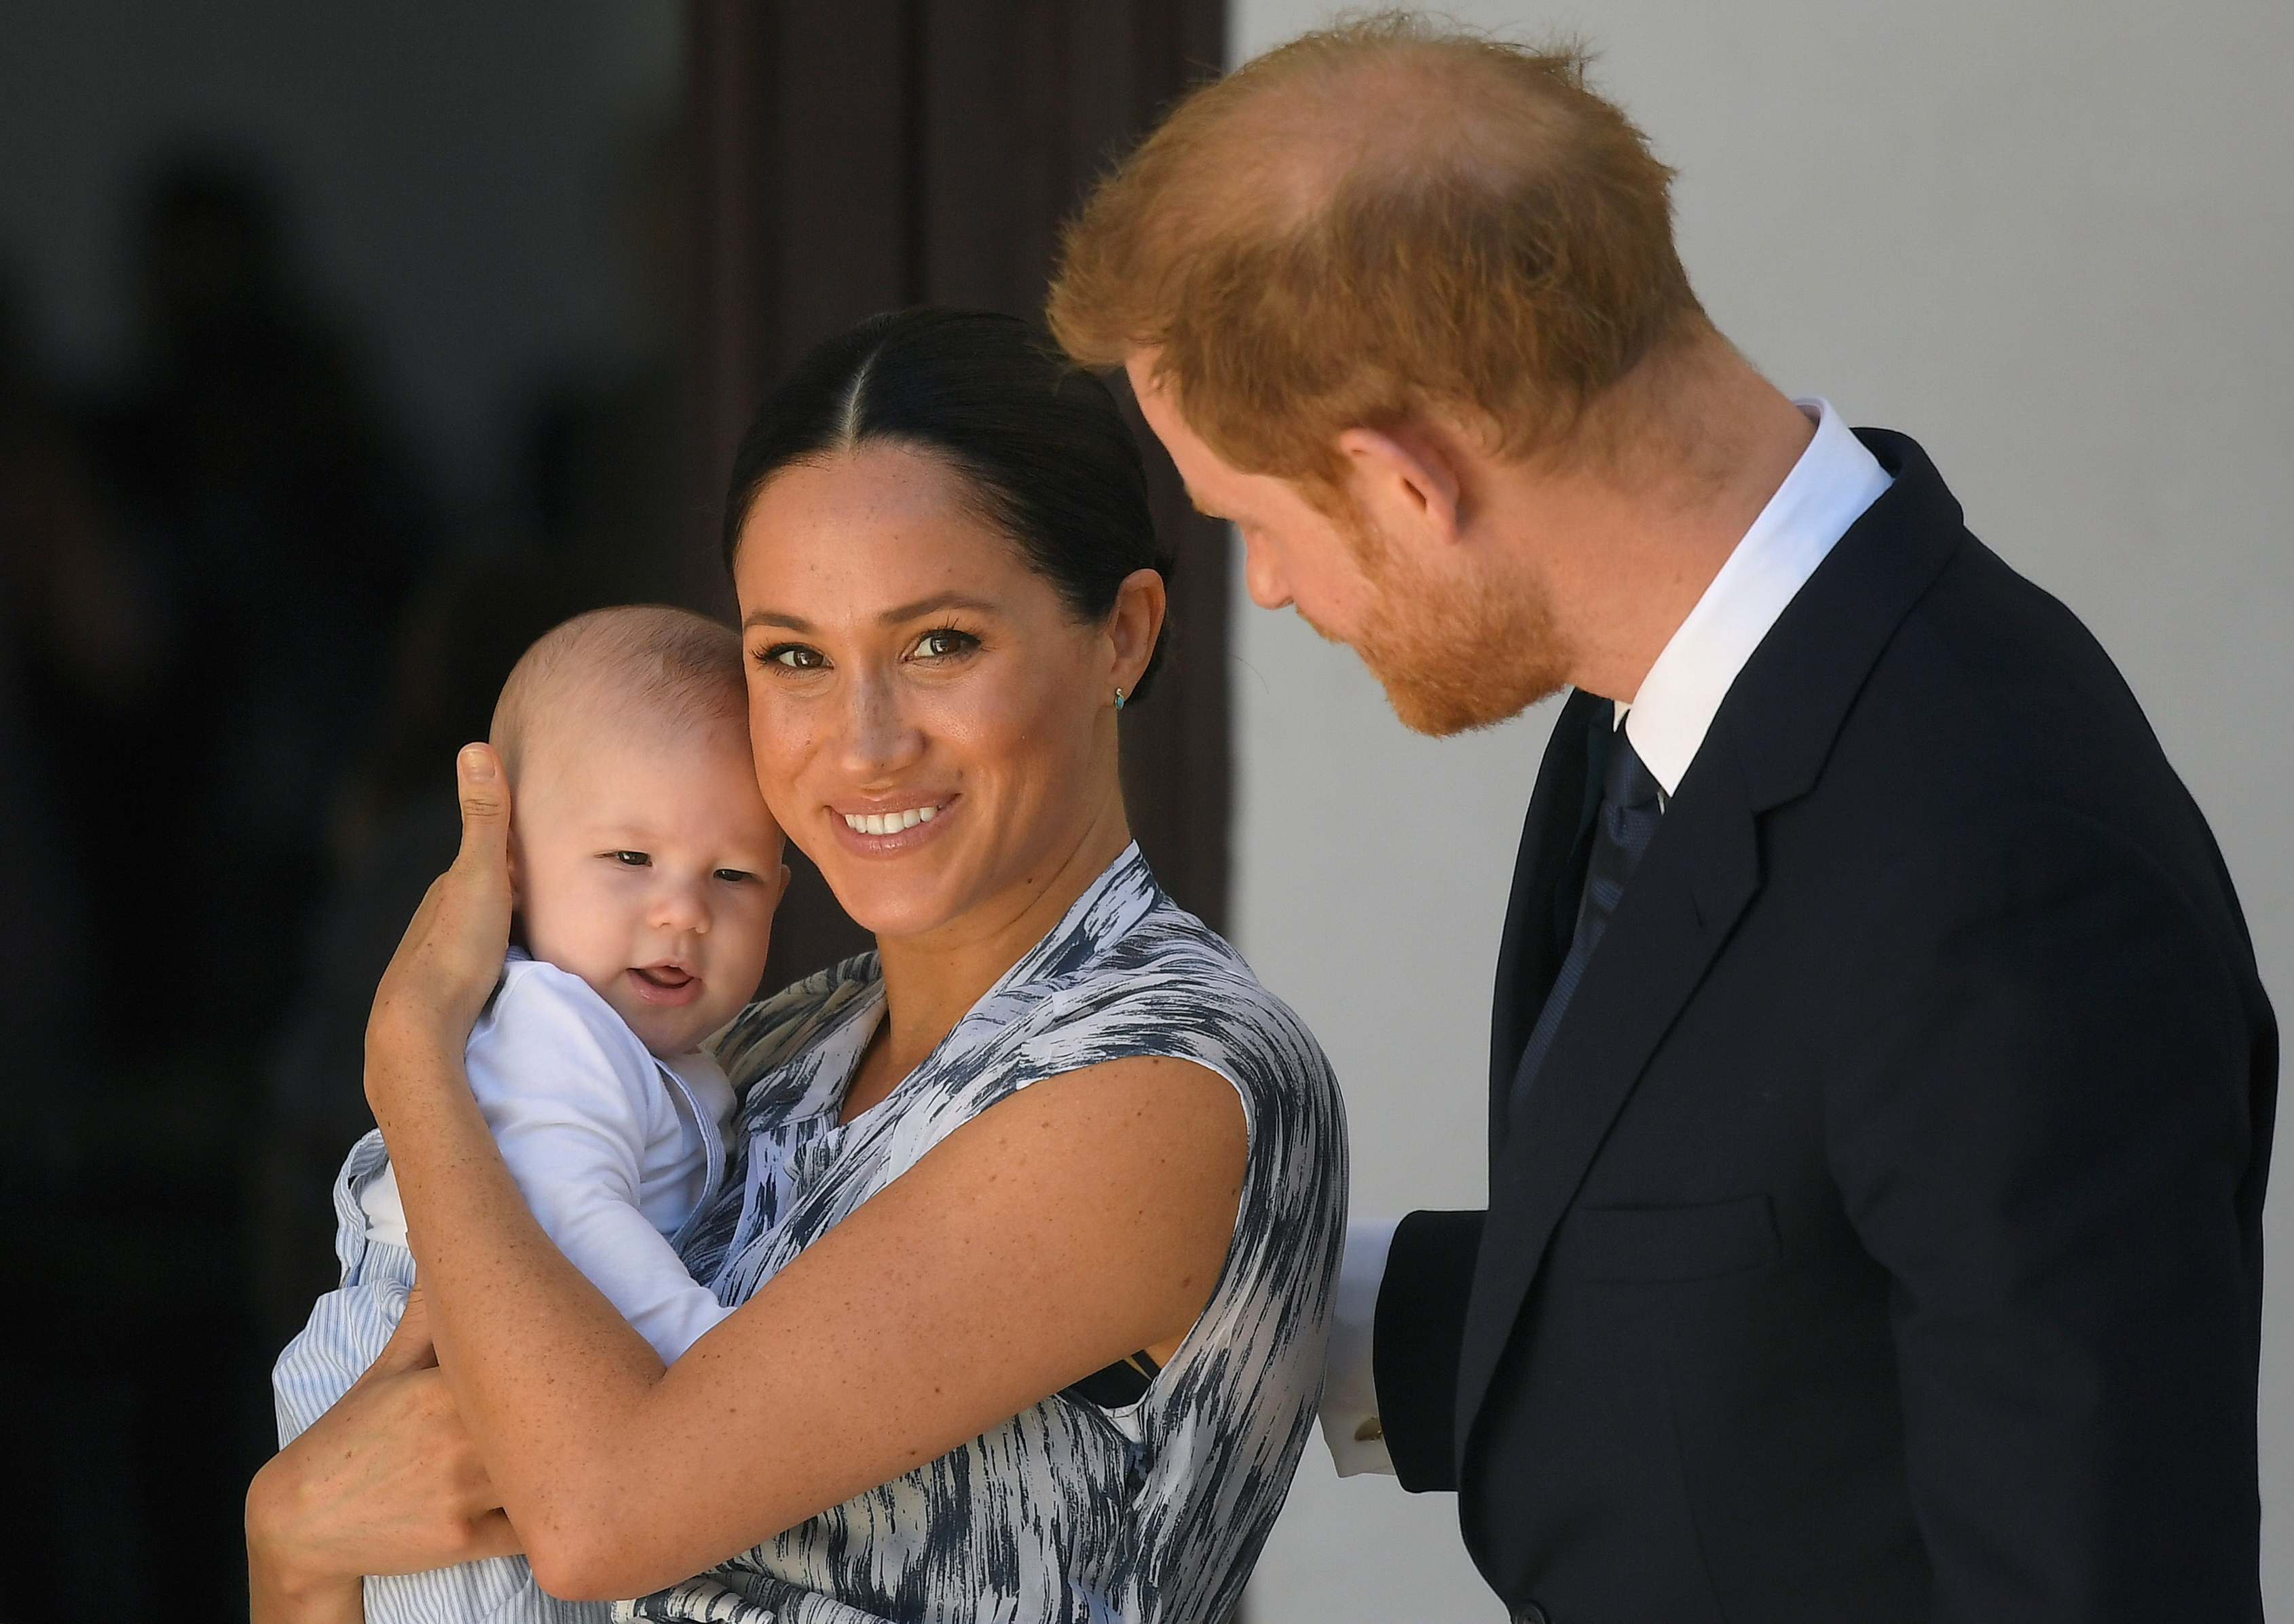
(1263, 574)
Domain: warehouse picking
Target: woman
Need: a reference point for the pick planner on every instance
(1038, 1208)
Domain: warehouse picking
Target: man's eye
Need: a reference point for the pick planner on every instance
(792, 656)
(734, 876)
(942, 641)
(633, 859)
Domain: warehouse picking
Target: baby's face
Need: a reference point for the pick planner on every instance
(650, 868)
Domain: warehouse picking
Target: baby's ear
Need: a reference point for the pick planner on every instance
(517, 937)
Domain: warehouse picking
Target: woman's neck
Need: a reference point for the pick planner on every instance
(932, 980)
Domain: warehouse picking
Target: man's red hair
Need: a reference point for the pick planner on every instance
(1378, 222)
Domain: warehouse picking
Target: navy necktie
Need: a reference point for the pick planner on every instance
(1622, 828)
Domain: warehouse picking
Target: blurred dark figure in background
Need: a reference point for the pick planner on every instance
(57, 630)
(77, 625)
(292, 535)
(200, 584)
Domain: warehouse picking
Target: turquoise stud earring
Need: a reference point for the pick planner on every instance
(1119, 698)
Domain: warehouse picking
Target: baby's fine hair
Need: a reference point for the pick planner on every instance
(643, 663)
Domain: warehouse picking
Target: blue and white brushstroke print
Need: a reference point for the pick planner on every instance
(1153, 1513)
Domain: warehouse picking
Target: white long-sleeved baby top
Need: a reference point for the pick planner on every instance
(614, 1150)
(612, 1146)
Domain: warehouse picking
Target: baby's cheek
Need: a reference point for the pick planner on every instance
(586, 941)
(745, 965)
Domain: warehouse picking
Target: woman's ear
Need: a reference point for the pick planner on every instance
(1133, 625)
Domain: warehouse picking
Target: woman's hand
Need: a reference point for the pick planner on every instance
(387, 1482)
(448, 962)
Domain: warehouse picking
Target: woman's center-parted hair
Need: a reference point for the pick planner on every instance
(643, 664)
(1039, 446)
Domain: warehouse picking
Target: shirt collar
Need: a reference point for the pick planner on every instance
(1828, 489)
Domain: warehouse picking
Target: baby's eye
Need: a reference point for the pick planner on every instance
(632, 859)
(792, 656)
(942, 641)
(734, 876)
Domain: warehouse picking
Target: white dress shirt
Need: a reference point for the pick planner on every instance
(1828, 491)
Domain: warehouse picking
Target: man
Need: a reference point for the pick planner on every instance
(1881, 1088)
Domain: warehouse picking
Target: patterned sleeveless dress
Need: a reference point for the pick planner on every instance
(1149, 1513)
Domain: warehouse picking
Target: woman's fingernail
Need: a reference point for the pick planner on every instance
(477, 763)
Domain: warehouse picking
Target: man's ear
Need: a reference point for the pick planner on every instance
(1408, 478)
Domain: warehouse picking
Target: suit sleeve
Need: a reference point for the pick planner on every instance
(2049, 1126)
(1419, 1328)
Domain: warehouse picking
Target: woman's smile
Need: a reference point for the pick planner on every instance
(891, 830)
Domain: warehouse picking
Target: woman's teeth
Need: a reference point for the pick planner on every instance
(888, 823)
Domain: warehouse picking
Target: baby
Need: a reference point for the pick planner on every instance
(646, 871)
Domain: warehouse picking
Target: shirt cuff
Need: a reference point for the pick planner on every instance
(1350, 1420)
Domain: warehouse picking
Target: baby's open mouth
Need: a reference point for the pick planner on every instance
(669, 983)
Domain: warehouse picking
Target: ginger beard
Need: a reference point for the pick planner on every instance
(1452, 655)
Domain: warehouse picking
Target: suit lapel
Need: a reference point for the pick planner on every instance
(1766, 747)
(1560, 810)
(1701, 870)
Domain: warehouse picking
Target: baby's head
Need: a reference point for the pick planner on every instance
(643, 857)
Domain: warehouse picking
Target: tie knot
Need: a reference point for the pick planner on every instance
(1625, 780)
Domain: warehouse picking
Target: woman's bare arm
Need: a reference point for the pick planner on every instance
(1083, 1218)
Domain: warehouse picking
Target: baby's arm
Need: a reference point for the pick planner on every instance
(572, 1098)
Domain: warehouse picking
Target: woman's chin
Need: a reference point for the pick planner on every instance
(881, 907)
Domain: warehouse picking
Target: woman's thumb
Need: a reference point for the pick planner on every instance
(410, 1347)
(484, 795)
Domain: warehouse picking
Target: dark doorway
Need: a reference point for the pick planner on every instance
(858, 154)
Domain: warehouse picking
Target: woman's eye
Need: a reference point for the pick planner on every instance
(632, 859)
(941, 642)
(792, 656)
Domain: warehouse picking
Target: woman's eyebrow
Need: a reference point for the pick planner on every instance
(933, 605)
(889, 617)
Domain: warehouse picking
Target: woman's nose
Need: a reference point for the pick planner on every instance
(877, 736)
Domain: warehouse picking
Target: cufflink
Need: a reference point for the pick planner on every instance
(1372, 1431)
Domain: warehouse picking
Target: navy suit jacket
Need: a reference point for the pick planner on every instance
(1882, 1240)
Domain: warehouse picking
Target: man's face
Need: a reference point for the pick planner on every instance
(1455, 646)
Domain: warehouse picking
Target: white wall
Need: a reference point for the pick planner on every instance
(2053, 242)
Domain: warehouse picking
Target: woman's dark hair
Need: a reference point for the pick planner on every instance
(1047, 456)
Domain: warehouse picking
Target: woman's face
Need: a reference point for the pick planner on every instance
(931, 724)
